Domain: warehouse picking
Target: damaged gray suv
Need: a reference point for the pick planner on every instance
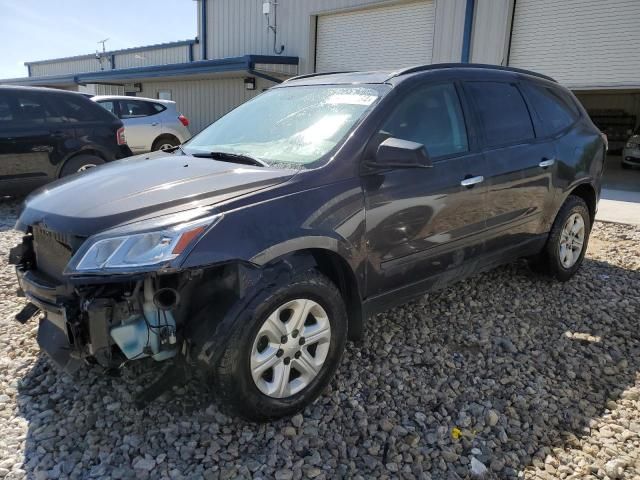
(254, 251)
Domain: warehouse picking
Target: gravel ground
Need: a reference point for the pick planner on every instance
(507, 374)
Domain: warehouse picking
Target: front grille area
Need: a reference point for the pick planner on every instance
(53, 251)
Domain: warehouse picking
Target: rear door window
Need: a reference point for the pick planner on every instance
(137, 109)
(6, 112)
(108, 105)
(32, 109)
(430, 115)
(555, 110)
(502, 112)
(70, 109)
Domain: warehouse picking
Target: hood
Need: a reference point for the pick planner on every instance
(141, 187)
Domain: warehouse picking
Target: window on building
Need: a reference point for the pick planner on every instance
(502, 112)
(432, 116)
(555, 111)
(164, 95)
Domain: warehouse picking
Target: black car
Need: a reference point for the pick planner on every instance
(258, 248)
(46, 134)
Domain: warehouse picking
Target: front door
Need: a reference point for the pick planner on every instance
(425, 223)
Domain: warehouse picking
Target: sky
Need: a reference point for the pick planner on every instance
(42, 29)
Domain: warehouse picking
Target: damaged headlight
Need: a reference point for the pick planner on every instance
(118, 252)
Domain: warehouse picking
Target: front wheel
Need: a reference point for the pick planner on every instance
(79, 164)
(568, 240)
(286, 351)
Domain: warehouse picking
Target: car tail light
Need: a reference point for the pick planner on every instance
(120, 137)
(184, 120)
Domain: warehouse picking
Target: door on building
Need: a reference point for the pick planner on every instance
(378, 38)
(422, 222)
(519, 165)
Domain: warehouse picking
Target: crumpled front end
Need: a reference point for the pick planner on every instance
(109, 323)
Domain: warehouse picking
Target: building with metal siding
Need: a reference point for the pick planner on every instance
(160, 54)
(585, 44)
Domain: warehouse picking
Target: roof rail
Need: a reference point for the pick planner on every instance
(438, 66)
(310, 75)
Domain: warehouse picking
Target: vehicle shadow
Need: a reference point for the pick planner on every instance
(8, 213)
(507, 367)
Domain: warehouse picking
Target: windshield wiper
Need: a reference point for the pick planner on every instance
(231, 157)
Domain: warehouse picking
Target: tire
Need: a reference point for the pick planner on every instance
(247, 348)
(80, 163)
(562, 264)
(164, 141)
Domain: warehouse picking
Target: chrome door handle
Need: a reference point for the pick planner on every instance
(470, 182)
(547, 162)
(155, 124)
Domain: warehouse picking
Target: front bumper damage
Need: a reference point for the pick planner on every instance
(107, 324)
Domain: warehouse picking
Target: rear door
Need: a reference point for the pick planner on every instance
(518, 161)
(27, 145)
(142, 124)
(424, 222)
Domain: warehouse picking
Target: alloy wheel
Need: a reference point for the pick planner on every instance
(290, 348)
(572, 240)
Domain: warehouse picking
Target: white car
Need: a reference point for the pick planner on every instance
(631, 151)
(149, 124)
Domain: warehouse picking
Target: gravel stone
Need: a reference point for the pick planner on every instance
(539, 377)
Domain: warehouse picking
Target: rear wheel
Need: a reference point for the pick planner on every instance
(164, 142)
(287, 350)
(567, 243)
(80, 163)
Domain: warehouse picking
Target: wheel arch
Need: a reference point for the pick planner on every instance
(86, 151)
(587, 192)
(166, 135)
(337, 269)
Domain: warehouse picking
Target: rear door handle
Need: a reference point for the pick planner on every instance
(547, 162)
(470, 182)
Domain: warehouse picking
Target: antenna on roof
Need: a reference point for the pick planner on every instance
(102, 55)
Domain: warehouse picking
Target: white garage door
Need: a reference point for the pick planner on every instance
(376, 38)
(581, 43)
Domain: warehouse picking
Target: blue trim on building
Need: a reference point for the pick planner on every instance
(116, 52)
(112, 60)
(203, 32)
(191, 53)
(232, 64)
(468, 28)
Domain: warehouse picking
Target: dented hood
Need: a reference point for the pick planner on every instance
(141, 187)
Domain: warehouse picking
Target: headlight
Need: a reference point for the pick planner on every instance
(120, 253)
(632, 145)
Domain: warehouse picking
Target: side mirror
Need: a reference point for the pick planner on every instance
(398, 153)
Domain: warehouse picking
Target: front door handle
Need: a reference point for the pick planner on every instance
(470, 182)
(547, 162)
(155, 124)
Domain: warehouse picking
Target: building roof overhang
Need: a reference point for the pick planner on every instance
(197, 69)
